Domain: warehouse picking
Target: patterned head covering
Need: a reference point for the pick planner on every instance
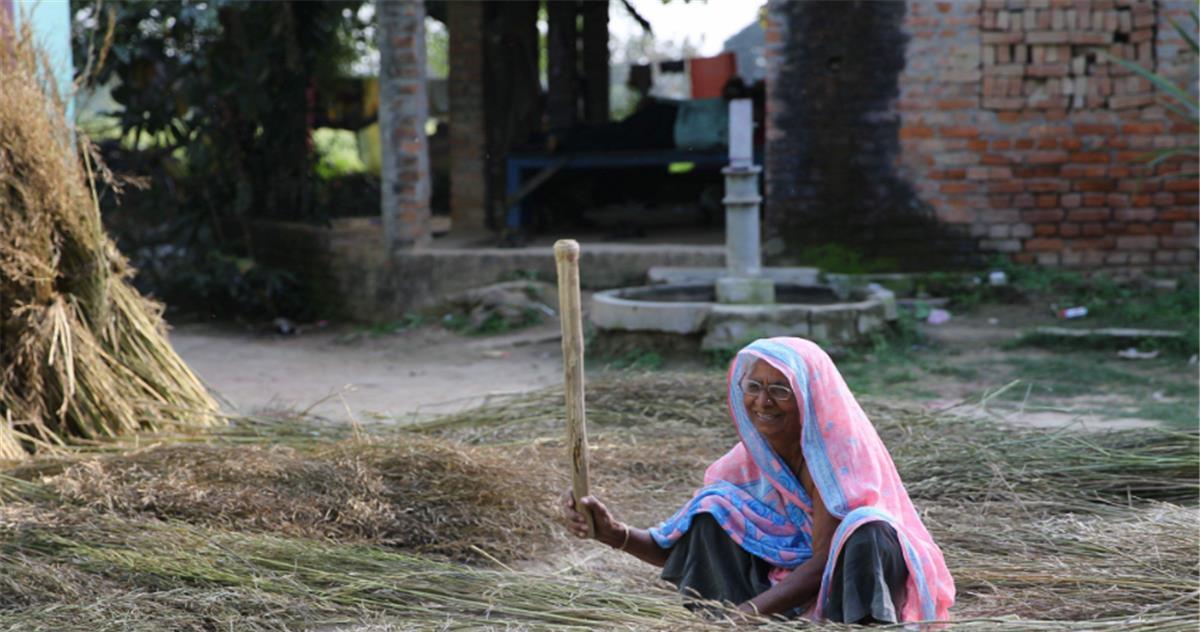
(760, 503)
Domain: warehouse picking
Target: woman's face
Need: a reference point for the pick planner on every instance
(777, 419)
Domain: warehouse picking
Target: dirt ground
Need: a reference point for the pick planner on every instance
(350, 373)
(968, 365)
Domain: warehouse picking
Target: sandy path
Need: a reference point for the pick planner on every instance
(402, 376)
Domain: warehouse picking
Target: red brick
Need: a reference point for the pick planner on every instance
(1047, 70)
(951, 214)
(1045, 171)
(1042, 216)
(999, 201)
(915, 131)
(1043, 186)
(1047, 157)
(1047, 143)
(1067, 229)
(1094, 199)
(1089, 157)
(1004, 186)
(1043, 245)
(1094, 185)
(1134, 127)
(1084, 171)
(1071, 144)
(1088, 214)
(1142, 199)
(1024, 143)
(1001, 38)
(977, 144)
(1139, 185)
(954, 188)
(994, 159)
(1182, 185)
(960, 132)
(1084, 129)
(1046, 201)
(1136, 229)
(1072, 200)
(1023, 258)
(957, 104)
(1179, 214)
(1162, 228)
(1024, 200)
(948, 174)
(1045, 230)
(1001, 144)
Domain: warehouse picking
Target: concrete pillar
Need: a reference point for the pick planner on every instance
(562, 100)
(468, 131)
(743, 281)
(403, 110)
(595, 61)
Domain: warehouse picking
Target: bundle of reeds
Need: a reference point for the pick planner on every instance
(82, 354)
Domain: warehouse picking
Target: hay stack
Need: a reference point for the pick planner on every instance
(82, 355)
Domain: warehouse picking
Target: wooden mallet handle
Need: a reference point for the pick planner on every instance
(566, 256)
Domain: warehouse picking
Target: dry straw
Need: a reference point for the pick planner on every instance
(82, 354)
(264, 525)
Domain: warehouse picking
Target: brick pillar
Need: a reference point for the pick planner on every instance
(468, 132)
(403, 110)
(595, 61)
(562, 100)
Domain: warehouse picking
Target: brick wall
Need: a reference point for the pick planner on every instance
(833, 139)
(468, 140)
(1014, 134)
(402, 114)
(1017, 128)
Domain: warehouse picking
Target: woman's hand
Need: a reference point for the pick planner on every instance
(608, 530)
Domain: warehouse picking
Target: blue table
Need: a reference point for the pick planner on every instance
(517, 164)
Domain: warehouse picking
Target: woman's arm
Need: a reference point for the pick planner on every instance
(801, 586)
(636, 542)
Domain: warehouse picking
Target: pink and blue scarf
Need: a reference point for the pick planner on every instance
(761, 504)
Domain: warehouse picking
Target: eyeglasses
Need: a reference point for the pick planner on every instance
(777, 392)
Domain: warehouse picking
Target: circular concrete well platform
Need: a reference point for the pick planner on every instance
(818, 312)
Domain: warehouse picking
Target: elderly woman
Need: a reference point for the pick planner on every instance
(805, 515)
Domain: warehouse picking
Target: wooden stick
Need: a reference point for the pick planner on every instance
(570, 314)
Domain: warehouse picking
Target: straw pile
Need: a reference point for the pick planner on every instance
(82, 354)
(409, 492)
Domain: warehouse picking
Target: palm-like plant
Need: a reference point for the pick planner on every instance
(1180, 100)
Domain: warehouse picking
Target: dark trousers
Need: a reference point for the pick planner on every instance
(867, 586)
